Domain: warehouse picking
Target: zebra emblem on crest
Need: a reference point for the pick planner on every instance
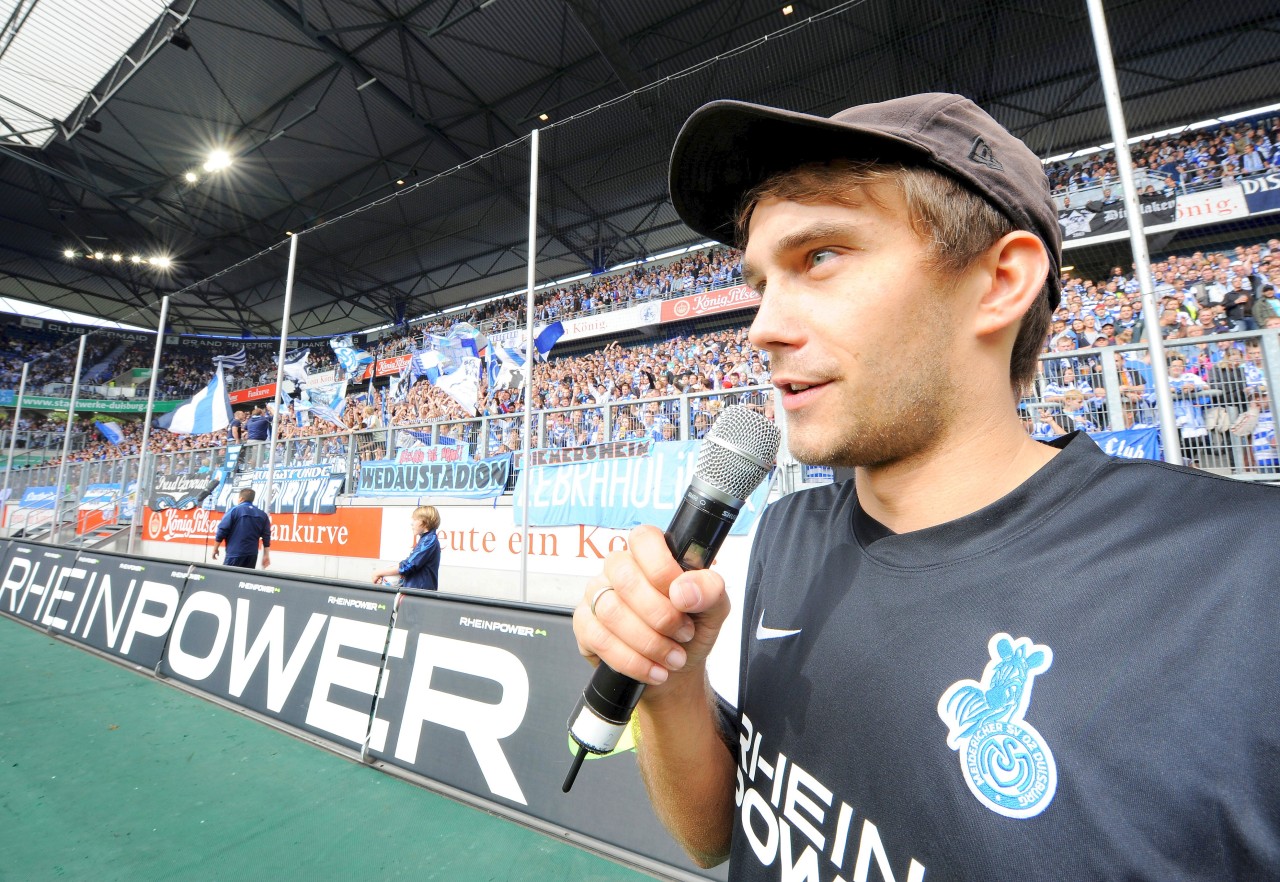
(1005, 761)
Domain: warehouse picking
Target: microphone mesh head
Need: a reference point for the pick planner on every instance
(738, 451)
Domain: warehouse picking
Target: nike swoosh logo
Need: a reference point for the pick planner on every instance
(763, 633)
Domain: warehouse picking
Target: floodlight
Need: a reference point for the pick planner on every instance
(68, 254)
(217, 161)
(191, 177)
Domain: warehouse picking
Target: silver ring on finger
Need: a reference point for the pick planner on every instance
(596, 597)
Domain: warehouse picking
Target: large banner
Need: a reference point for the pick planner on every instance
(350, 532)
(710, 303)
(309, 489)
(473, 695)
(620, 493)
(479, 479)
(1098, 218)
(177, 491)
(9, 398)
(304, 654)
(1262, 192)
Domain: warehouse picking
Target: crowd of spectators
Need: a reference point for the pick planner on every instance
(1199, 294)
(1189, 161)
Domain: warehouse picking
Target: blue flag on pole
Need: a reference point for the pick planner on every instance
(234, 360)
(548, 337)
(209, 411)
(352, 360)
(111, 431)
(330, 403)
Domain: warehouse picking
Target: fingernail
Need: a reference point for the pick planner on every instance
(658, 674)
(686, 632)
(684, 593)
(676, 659)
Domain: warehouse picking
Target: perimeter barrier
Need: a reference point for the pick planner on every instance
(465, 697)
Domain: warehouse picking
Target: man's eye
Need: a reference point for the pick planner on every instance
(821, 256)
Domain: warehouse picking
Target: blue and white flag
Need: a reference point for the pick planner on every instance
(111, 431)
(463, 384)
(353, 360)
(506, 367)
(330, 403)
(295, 365)
(424, 363)
(209, 411)
(232, 361)
(548, 337)
(469, 337)
(398, 387)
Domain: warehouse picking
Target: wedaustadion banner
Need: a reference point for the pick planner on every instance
(620, 493)
(472, 695)
(409, 476)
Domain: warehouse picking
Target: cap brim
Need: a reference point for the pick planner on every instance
(726, 148)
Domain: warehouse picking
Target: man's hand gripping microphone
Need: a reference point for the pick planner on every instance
(734, 458)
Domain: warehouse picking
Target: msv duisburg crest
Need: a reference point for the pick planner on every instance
(1004, 760)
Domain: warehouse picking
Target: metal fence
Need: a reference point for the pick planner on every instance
(679, 417)
(1221, 402)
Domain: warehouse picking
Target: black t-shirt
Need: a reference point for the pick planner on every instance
(1078, 681)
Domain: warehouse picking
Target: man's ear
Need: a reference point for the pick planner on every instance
(1017, 267)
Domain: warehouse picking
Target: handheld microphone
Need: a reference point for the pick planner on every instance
(734, 458)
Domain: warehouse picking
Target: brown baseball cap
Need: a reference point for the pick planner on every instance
(726, 148)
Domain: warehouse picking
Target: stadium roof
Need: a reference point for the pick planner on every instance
(324, 106)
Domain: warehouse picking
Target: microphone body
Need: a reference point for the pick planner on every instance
(735, 457)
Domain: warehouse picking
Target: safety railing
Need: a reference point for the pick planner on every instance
(1222, 390)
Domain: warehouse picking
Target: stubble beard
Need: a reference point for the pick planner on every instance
(893, 416)
(875, 428)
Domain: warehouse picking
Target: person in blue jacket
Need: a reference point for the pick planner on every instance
(421, 569)
(242, 528)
